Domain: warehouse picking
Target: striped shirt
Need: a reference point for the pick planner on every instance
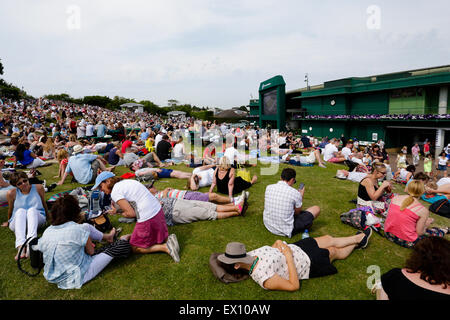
(172, 194)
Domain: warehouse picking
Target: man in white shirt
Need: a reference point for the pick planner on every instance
(347, 150)
(283, 207)
(89, 130)
(331, 152)
(158, 138)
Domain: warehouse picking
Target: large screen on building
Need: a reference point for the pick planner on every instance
(270, 102)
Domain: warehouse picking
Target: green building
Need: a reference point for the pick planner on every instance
(400, 108)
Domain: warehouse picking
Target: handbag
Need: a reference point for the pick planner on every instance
(441, 207)
(100, 222)
(243, 173)
(36, 257)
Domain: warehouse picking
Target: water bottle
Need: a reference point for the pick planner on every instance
(305, 234)
(94, 203)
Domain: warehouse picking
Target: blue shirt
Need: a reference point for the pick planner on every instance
(101, 130)
(28, 201)
(65, 259)
(144, 136)
(27, 158)
(80, 166)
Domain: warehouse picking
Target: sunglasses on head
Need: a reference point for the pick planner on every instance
(22, 182)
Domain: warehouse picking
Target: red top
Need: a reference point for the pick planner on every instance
(125, 145)
(209, 153)
(402, 224)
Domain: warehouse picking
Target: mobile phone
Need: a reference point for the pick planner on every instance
(301, 186)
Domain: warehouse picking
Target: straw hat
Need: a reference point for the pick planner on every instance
(77, 149)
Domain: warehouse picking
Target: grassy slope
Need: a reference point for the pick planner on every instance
(155, 276)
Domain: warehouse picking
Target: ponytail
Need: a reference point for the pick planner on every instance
(415, 189)
(406, 203)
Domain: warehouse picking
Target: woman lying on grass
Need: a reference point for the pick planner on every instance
(282, 266)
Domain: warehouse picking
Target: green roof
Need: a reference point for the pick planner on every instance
(396, 80)
(379, 85)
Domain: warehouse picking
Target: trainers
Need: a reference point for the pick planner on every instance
(172, 245)
(173, 239)
(51, 187)
(322, 165)
(365, 241)
(126, 220)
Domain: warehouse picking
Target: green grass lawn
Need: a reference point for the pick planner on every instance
(156, 276)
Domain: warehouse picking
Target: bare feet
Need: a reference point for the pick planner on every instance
(126, 237)
(23, 255)
(109, 237)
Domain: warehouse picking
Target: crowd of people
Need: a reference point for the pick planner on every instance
(88, 143)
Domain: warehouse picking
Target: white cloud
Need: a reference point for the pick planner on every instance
(211, 52)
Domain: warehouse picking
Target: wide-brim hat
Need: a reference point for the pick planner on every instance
(235, 252)
(77, 149)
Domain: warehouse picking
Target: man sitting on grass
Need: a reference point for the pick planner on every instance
(331, 152)
(283, 208)
(84, 167)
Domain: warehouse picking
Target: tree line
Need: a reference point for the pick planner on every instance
(8, 90)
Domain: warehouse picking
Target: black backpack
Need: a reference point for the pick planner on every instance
(441, 207)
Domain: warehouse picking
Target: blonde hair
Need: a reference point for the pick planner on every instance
(62, 154)
(48, 145)
(415, 189)
(432, 185)
(224, 163)
(377, 166)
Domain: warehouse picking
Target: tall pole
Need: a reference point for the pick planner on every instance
(442, 109)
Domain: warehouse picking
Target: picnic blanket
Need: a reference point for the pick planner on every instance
(272, 159)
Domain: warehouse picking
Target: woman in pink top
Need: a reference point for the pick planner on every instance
(408, 220)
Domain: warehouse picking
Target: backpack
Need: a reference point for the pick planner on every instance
(441, 207)
(95, 215)
(355, 218)
(362, 218)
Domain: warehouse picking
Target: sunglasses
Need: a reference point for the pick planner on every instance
(22, 182)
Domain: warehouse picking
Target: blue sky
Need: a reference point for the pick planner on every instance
(212, 53)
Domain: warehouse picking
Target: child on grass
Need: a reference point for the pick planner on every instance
(428, 165)
(401, 158)
(63, 158)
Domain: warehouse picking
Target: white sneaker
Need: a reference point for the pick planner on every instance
(172, 245)
(173, 238)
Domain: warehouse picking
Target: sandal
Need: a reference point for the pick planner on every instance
(116, 235)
